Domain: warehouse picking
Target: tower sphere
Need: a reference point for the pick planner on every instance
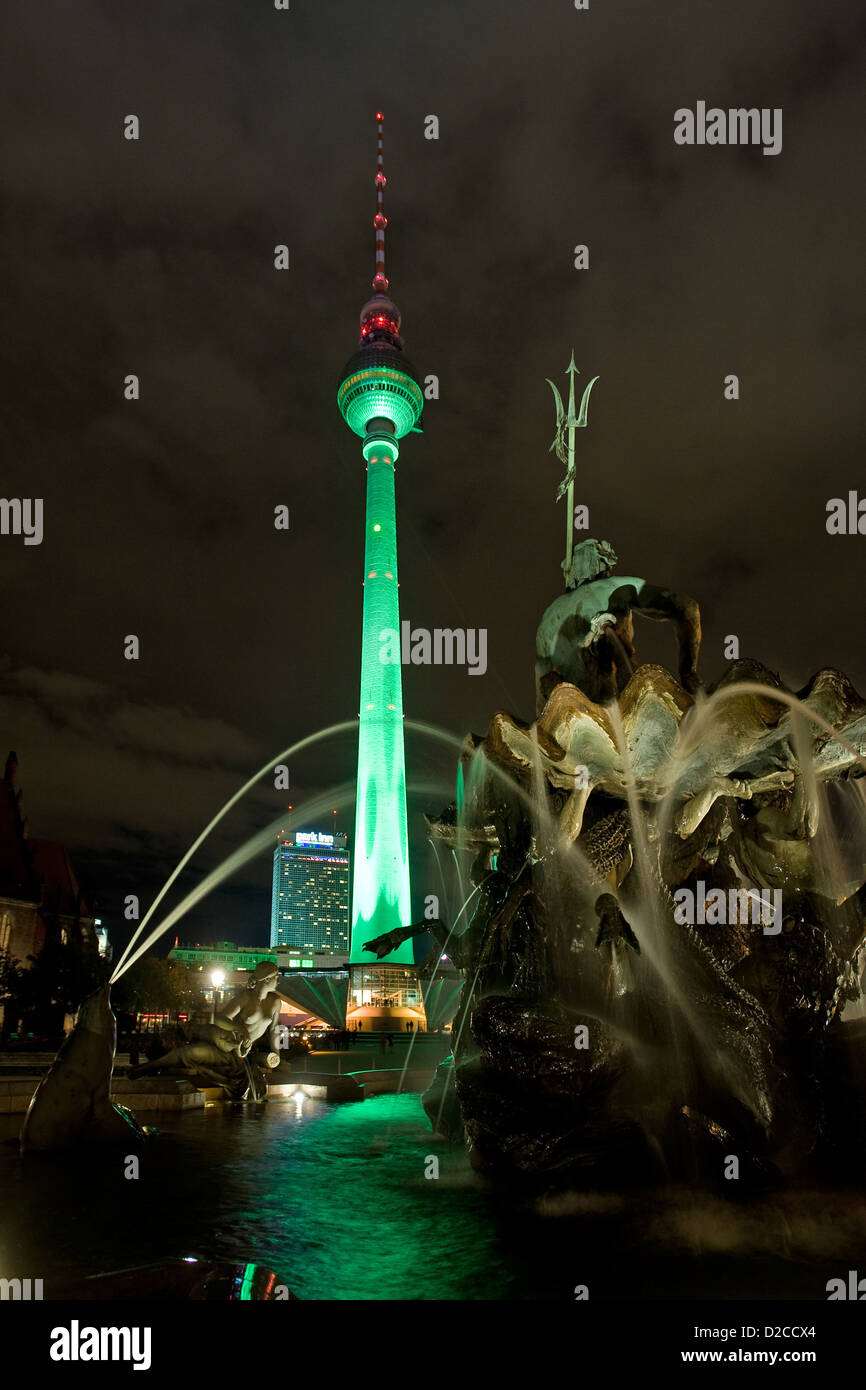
(380, 383)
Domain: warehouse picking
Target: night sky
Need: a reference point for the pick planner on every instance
(156, 257)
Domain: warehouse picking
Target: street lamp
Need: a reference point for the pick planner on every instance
(217, 977)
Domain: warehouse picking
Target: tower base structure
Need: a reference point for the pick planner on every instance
(385, 998)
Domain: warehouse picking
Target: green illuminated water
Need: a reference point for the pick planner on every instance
(334, 1199)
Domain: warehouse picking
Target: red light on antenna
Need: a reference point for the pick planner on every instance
(379, 116)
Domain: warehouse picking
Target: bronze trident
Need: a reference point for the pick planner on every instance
(565, 450)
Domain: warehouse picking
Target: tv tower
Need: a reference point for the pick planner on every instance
(381, 401)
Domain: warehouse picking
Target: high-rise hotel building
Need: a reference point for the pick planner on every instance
(310, 899)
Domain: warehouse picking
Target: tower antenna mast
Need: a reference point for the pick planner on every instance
(380, 221)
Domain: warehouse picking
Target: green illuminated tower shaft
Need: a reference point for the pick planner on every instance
(381, 898)
(381, 401)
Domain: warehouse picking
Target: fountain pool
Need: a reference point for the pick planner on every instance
(334, 1198)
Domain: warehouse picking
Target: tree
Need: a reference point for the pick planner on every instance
(55, 984)
(154, 986)
(10, 974)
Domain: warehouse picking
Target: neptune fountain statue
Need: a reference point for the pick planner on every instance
(669, 915)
